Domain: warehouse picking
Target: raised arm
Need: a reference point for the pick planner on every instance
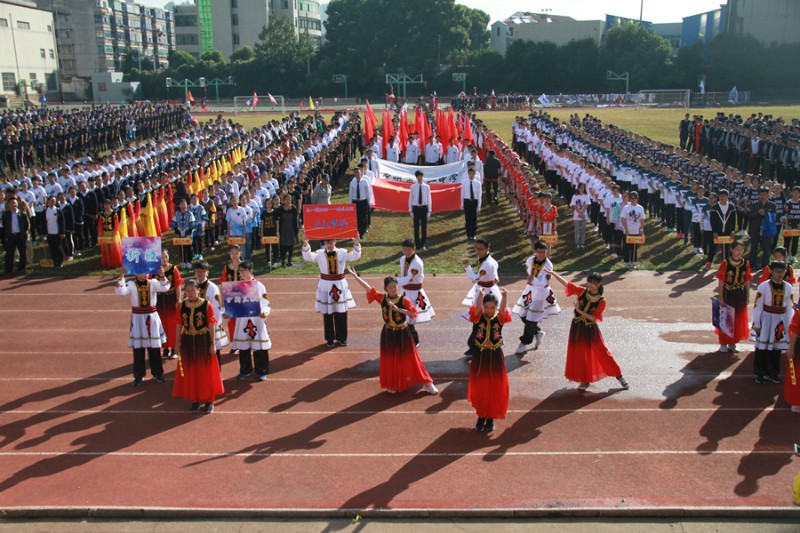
(358, 278)
(558, 278)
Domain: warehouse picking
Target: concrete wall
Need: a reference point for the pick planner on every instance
(769, 21)
(27, 34)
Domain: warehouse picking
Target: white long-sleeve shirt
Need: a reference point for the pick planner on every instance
(414, 197)
(361, 190)
(470, 190)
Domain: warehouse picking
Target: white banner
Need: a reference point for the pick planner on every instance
(452, 173)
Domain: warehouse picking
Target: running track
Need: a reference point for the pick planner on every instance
(694, 431)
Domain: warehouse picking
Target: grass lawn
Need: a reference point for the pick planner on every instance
(447, 245)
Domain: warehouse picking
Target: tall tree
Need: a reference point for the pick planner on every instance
(282, 54)
(639, 51)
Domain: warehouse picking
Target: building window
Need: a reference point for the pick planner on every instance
(235, 38)
(41, 53)
(234, 4)
(285, 4)
(49, 28)
(234, 19)
(9, 81)
(33, 78)
(23, 25)
(52, 54)
(3, 23)
(102, 87)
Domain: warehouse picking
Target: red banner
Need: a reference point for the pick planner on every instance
(329, 221)
(393, 195)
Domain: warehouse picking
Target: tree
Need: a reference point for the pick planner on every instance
(245, 53)
(639, 51)
(178, 58)
(283, 55)
(133, 60)
(213, 56)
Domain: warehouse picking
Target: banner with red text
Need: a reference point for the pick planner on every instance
(329, 221)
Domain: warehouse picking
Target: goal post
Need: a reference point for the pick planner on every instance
(244, 104)
(664, 98)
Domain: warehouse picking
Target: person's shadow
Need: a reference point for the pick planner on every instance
(101, 432)
(696, 376)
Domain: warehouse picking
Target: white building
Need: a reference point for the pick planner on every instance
(29, 52)
(227, 25)
(540, 27)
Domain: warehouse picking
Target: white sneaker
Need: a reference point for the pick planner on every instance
(390, 391)
(521, 349)
(723, 348)
(431, 388)
(796, 408)
(733, 348)
(539, 337)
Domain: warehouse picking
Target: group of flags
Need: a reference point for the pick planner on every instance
(447, 125)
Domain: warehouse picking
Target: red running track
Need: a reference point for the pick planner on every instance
(693, 431)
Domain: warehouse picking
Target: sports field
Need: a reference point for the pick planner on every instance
(447, 245)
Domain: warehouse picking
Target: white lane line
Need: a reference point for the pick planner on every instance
(398, 454)
(393, 412)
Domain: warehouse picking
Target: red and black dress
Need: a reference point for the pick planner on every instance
(400, 364)
(488, 380)
(197, 378)
(588, 357)
(166, 304)
(735, 276)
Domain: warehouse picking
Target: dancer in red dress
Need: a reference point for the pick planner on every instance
(167, 304)
(488, 380)
(734, 289)
(108, 227)
(400, 364)
(197, 378)
(791, 385)
(588, 357)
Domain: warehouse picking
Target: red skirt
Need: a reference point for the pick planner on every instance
(488, 384)
(166, 306)
(588, 357)
(400, 364)
(791, 391)
(741, 322)
(197, 377)
(111, 255)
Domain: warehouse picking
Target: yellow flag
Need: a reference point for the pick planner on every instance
(311, 103)
(123, 223)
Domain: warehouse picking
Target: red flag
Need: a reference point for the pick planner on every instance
(384, 131)
(255, 101)
(189, 97)
(393, 195)
(403, 131)
(468, 138)
(272, 99)
(451, 125)
(370, 123)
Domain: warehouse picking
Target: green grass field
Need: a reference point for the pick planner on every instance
(447, 244)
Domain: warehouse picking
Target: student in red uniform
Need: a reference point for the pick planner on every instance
(778, 254)
(734, 289)
(197, 378)
(400, 364)
(488, 380)
(588, 357)
(791, 385)
(167, 303)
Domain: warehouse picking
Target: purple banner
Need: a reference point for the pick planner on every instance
(241, 299)
(141, 255)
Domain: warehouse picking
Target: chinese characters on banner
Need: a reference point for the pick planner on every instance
(141, 255)
(241, 299)
(333, 221)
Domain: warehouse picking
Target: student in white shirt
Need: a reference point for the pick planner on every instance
(632, 218)
(420, 206)
(471, 203)
(580, 214)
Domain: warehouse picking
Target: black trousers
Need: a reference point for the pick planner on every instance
(254, 359)
(139, 368)
(78, 235)
(471, 217)
(56, 250)
(362, 216)
(631, 251)
(335, 327)
(529, 331)
(767, 363)
(490, 187)
(420, 213)
(17, 242)
(90, 231)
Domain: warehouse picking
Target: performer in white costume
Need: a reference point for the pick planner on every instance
(412, 274)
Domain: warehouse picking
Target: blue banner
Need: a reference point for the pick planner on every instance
(141, 255)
